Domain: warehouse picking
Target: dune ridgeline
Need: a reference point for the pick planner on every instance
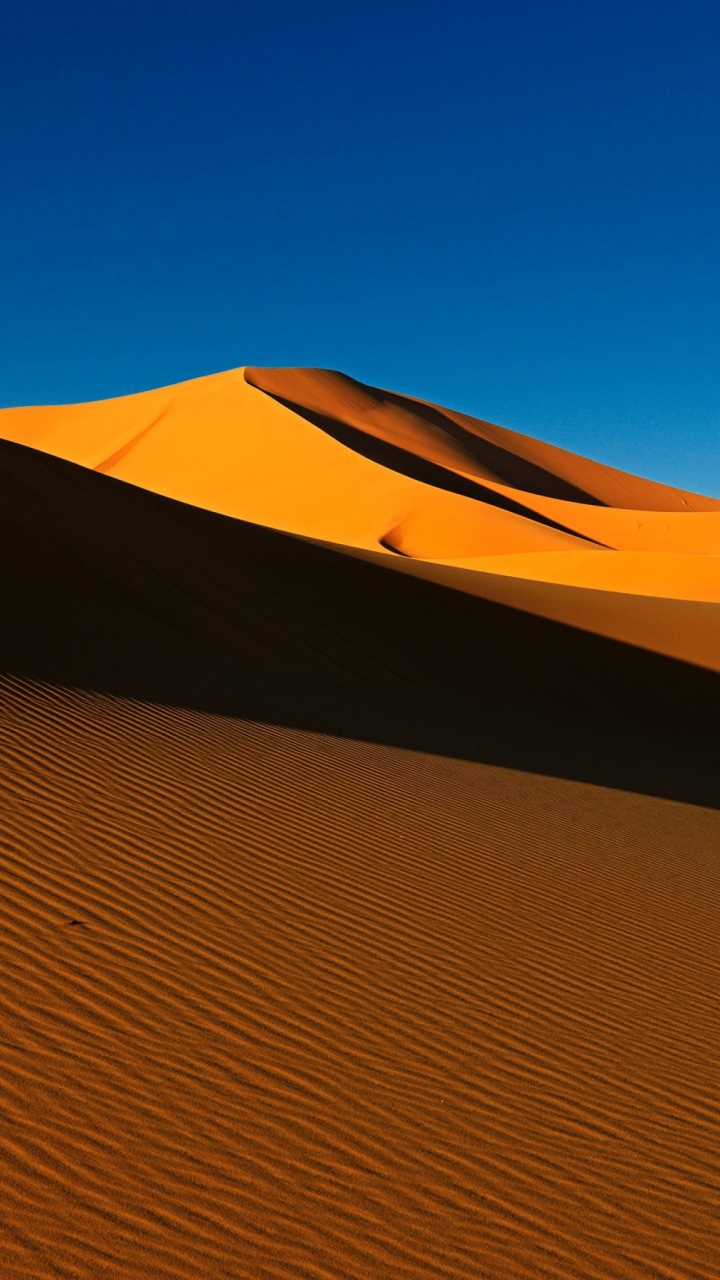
(360, 843)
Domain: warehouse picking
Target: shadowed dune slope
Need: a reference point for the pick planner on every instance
(279, 1004)
(100, 572)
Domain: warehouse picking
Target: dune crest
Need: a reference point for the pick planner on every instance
(470, 445)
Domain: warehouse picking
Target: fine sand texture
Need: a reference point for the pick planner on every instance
(360, 845)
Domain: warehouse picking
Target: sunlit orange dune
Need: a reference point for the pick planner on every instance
(359, 824)
(691, 532)
(219, 443)
(469, 445)
(642, 573)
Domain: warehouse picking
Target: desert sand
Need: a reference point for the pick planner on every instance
(360, 844)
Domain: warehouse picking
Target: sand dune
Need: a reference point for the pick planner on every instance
(290, 464)
(218, 443)
(643, 573)
(360, 829)
(468, 445)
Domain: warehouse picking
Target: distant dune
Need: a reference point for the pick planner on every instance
(361, 844)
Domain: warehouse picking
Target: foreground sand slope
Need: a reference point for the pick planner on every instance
(360, 913)
(279, 1004)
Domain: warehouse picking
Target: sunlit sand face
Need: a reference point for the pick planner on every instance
(316, 454)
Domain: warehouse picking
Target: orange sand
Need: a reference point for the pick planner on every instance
(222, 444)
(359, 836)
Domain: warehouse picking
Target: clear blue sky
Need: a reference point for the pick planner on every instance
(510, 207)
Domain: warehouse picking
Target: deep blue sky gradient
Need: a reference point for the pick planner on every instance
(511, 208)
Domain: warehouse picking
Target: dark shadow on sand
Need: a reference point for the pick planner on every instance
(107, 587)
